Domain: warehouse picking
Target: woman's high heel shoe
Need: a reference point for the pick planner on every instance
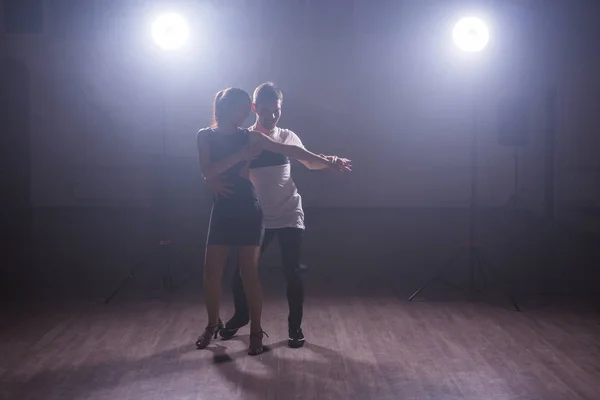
(209, 333)
(256, 346)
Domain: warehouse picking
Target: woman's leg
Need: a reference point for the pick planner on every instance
(214, 262)
(249, 256)
(241, 315)
(215, 259)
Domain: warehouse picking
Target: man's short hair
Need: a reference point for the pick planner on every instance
(266, 92)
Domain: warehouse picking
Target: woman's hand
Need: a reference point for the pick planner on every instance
(251, 151)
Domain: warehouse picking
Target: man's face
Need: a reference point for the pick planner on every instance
(268, 113)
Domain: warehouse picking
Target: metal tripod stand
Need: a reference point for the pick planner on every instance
(477, 267)
(515, 201)
(165, 257)
(474, 251)
(164, 251)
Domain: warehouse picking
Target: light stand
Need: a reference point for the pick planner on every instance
(159, 211)
(170, 32)
(474, 251)
(515, 202)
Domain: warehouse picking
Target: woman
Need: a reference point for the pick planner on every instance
(225, 151)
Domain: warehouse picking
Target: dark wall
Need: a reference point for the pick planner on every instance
(86, 253)
(381, 85)
(15, 207)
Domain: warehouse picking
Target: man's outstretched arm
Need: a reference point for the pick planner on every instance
(337, 163)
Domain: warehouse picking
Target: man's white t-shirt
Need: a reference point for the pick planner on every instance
(271, 176)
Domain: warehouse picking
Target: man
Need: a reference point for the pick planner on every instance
(282, 208)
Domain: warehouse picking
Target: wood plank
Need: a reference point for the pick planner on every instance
(361, 343)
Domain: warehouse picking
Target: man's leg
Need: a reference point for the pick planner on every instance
(290, 240)
(241, 316)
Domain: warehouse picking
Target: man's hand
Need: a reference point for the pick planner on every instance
(338, 164)
(219, 187)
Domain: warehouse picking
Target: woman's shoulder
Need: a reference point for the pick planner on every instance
(204, 133)
(254, 134)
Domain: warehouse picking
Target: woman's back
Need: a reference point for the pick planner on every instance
(222, 146)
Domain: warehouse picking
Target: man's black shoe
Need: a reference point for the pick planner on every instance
(232, 326)
(296, 339)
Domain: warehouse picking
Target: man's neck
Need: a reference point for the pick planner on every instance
(259, 128)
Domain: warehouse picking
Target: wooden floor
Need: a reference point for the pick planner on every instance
(361, 345)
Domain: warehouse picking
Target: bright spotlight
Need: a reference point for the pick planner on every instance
(170, 31)
(471, 34)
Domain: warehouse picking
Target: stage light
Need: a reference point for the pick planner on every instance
(471, 34)
(170, 31)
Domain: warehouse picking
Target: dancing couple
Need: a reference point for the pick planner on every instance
(255, 199)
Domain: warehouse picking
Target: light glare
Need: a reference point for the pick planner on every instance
(471, 34)
(170, 31)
